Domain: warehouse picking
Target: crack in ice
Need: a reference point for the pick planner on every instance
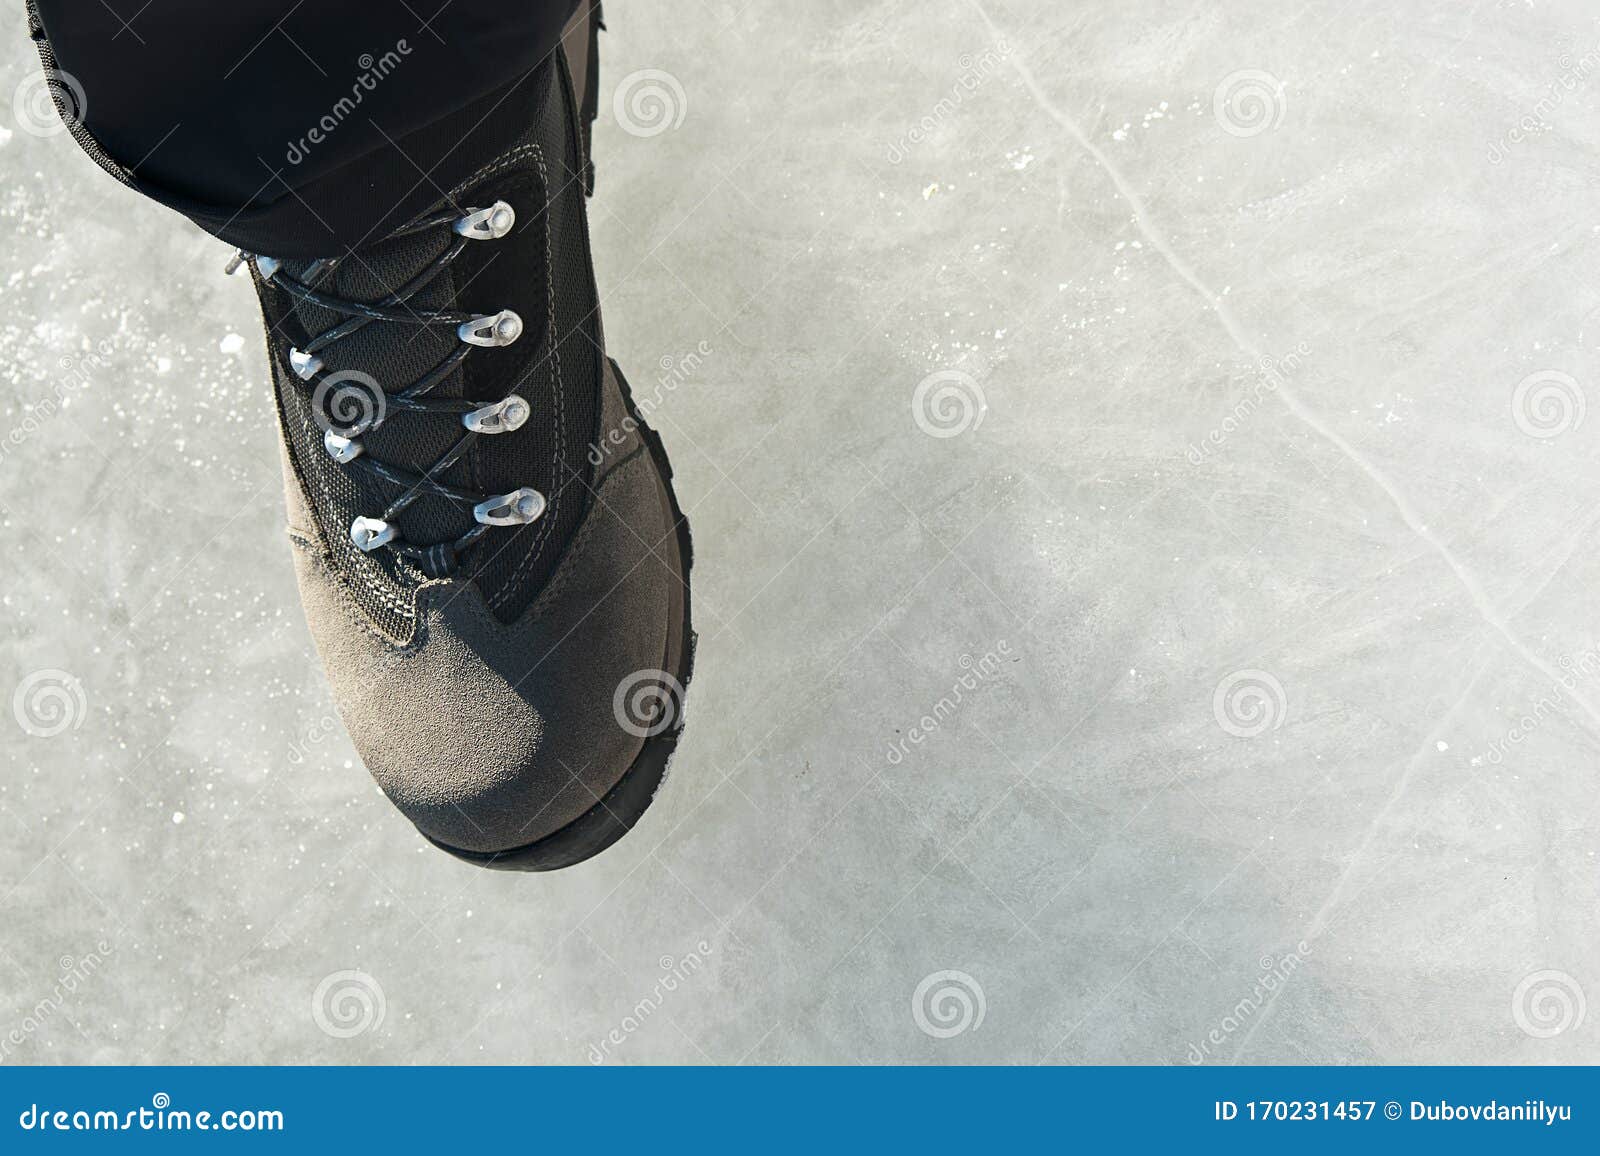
(1297, 408)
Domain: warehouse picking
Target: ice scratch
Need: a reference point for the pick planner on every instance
(1291, 400)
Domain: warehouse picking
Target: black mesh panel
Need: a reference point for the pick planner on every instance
(542, 270)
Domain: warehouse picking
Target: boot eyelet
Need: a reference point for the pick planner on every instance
(517, 508)
(487, 224)
(370, 533)
(341, 449)
(492, 329)
(502, 417)
(305, 365)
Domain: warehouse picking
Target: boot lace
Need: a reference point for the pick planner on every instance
(354, 404)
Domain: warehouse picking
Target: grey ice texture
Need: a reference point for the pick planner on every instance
(1145, 500)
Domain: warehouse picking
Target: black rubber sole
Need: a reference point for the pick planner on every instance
(616, 813)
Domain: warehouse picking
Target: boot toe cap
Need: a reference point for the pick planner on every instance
(491, 736)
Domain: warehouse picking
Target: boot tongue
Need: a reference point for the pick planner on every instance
(396, 355)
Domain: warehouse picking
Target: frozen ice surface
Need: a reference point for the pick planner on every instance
(1146, 514)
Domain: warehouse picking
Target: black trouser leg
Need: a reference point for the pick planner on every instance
(297, 129)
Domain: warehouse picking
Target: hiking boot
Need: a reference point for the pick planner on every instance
(493, 564)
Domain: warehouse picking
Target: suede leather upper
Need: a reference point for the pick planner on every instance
(490, 735)
(492, 722)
